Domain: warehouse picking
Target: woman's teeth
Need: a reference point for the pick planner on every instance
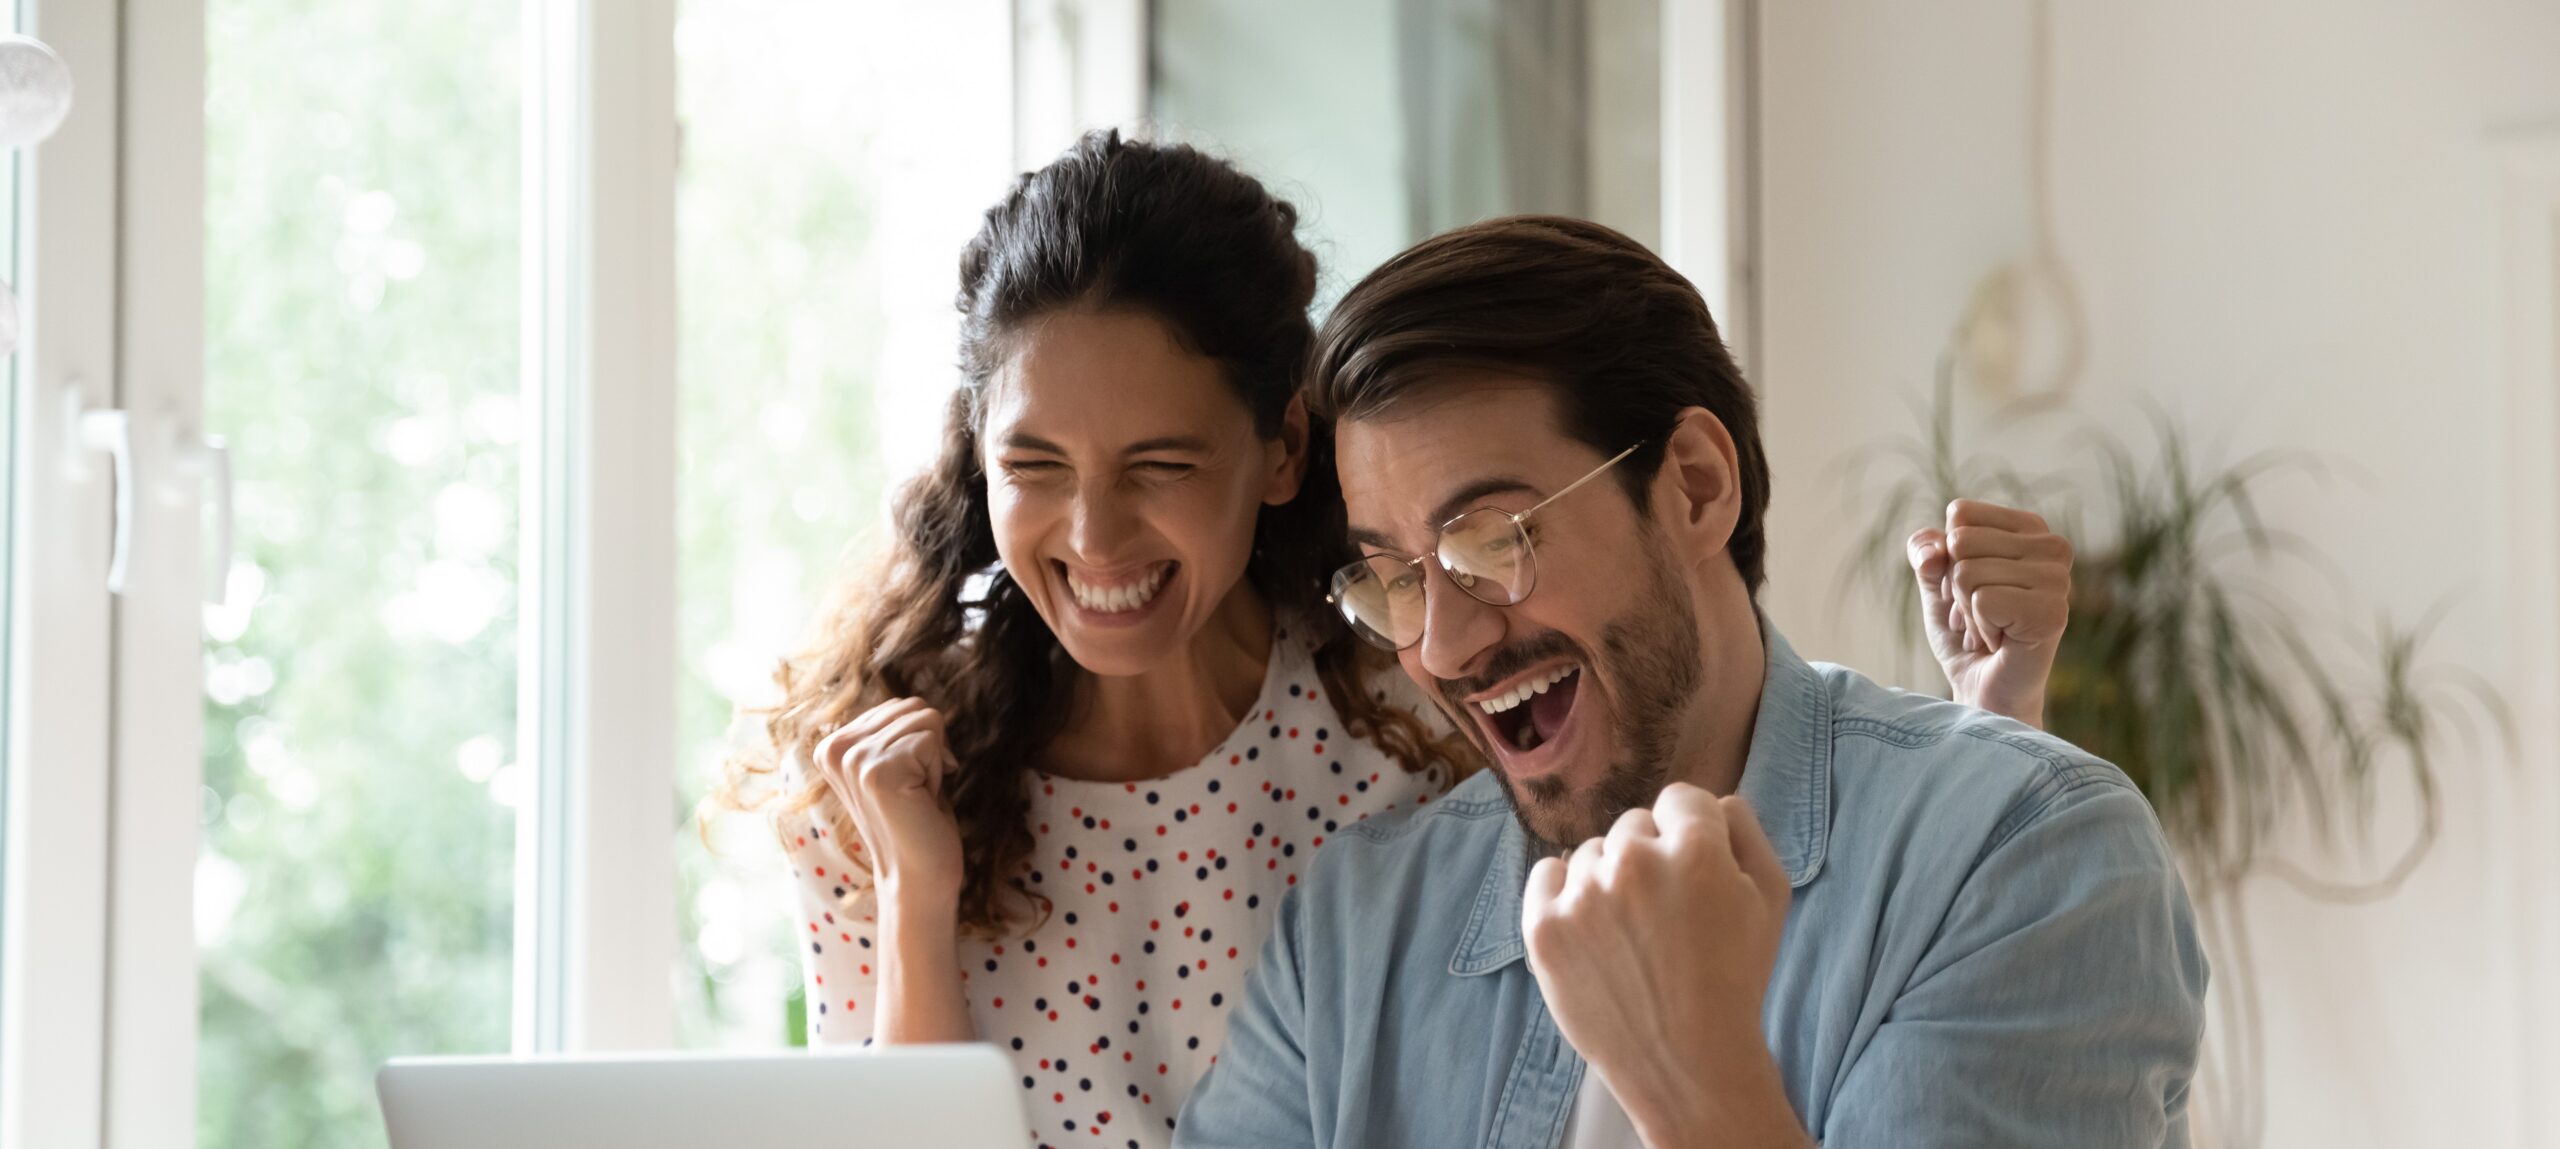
(1119, 599)
(1528, 689)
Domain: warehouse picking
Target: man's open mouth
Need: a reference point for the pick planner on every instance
(1533, 711)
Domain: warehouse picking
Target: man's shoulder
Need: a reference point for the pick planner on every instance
(1440, 846)
(1942, 753)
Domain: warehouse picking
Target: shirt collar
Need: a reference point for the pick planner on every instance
(1786, 775)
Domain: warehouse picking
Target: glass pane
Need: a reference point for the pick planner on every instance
(354, 897)
(1389, 122)
(836, 158)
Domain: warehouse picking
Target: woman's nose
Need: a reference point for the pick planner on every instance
(1101, 522)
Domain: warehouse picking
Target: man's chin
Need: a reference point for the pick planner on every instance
(1556, 816)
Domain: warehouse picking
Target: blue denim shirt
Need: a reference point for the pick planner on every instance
(1989, 945)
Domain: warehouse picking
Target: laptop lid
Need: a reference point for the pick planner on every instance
(945, 1096)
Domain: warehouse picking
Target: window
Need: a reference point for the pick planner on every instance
(355, 890)
(1387, 123)
(11, 318)
(836, 159)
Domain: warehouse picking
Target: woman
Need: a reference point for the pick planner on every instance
(1076, 742)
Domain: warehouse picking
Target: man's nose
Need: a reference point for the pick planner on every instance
(1457, 629)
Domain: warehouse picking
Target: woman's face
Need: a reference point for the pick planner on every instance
(1124, 478)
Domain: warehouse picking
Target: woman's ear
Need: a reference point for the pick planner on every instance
(1287, 454)
(1698, 495)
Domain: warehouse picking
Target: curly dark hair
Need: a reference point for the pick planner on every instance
(1112, 223)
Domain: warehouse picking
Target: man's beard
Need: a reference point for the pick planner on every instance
(1654, 670)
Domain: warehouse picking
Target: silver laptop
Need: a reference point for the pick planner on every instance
(938, 1096)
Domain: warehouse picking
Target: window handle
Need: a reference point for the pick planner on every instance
(108, 431)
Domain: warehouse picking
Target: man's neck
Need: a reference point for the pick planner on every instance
(1735, 666)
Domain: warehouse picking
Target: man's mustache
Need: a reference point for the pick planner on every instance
(1508, 661)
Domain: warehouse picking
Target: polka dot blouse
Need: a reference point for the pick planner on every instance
(1162, 893)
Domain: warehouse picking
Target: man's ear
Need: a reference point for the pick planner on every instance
(1287, 454)
(1698, 494)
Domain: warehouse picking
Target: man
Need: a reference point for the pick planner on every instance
(1708, 894)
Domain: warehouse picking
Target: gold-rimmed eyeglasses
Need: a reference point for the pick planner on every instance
(1487, 552)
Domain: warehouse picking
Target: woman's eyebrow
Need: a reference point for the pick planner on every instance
(1166, 443)
(1160, 443)
(1032, 443)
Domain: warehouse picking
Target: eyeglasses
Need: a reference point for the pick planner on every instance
(1486, 552)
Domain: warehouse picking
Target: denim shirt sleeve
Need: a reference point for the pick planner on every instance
(2061, 1002)
(1256, 1093)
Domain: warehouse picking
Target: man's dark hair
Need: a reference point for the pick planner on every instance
(1625, 341)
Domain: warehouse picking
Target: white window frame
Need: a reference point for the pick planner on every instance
(1710, 161)
(99, 1020)
(595, 897)
(52, 1047)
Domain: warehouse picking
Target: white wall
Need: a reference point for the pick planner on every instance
(2283, 216)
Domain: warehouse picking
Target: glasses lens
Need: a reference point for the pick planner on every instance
(1382, 599)
(1487, 554)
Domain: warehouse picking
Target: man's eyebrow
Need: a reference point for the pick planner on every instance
(1364, 537)
(1448, 509)
(1458, 500)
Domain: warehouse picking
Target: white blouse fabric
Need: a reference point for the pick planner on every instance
(1162, 893)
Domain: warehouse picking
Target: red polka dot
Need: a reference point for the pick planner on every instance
(848, 1003)
(822, 871)
(999, 1003)
(1231, 896)
(1293, 732)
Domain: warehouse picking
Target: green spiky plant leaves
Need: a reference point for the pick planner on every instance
(2233, 711)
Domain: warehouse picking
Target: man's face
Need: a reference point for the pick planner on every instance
(1608, 640)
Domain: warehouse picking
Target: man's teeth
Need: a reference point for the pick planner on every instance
(1527, 690)
(1119, 599)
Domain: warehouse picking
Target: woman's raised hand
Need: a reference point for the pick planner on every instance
(887, 767)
